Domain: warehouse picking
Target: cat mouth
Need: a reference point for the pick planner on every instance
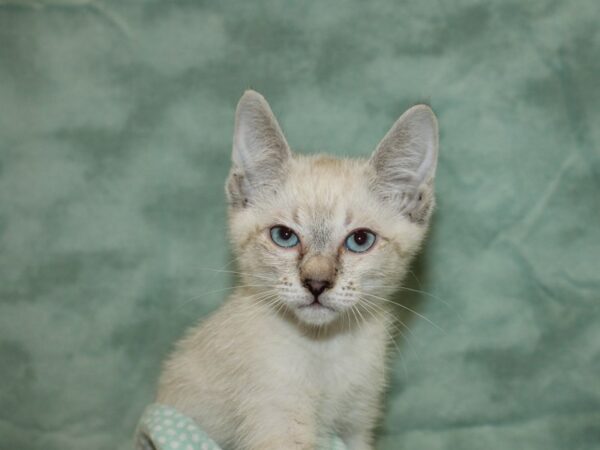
(316, 304)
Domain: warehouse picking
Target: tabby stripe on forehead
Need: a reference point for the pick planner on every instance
(348, 220)
(320, 236)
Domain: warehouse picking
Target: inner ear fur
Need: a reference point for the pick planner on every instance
(260, 151)
(404, 164)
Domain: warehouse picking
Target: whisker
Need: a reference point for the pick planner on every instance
(237, 273)
(373, 304)
(393, 341)
(407, 338)
(405, 288)
(237, 258)
(346, 315)
(204, 294)
(416, 279)
(408, 309)
(418, 291)
(354, 314)
(448, 305)
(262, 299)
(360, 314)
(428, 294)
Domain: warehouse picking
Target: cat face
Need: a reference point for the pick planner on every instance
(327, 239)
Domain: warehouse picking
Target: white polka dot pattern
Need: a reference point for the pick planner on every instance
(164, 428)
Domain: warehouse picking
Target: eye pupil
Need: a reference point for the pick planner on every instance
(285, 233)
(360, 237)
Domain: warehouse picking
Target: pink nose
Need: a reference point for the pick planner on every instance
(316, 287)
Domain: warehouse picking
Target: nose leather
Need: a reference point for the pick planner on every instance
(316, 287)
(317, 273)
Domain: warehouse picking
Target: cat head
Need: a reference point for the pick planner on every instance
(321, 237)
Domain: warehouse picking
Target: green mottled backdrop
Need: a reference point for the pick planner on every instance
(115, 134)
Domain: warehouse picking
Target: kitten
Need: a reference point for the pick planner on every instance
(299, 349)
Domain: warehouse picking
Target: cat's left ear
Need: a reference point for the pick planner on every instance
(260, 151)
(405, 162)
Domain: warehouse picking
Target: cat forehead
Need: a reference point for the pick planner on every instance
(321, 193)
(324, 181)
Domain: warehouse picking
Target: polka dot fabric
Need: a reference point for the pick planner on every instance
(164, 428)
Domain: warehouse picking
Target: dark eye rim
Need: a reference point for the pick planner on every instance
(368, 230)
(273, 227)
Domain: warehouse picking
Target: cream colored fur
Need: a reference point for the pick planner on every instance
(266, 371)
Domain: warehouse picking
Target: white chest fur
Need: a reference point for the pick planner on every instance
(241, 363)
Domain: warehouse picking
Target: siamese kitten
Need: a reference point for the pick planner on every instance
(299, 348)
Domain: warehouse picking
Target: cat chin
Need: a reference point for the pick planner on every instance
(316, 315)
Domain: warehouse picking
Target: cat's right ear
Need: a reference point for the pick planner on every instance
(260, 151)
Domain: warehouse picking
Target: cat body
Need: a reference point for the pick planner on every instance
(266, 386)
(299, 350)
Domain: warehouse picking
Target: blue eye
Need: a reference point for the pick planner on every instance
(360, 241)
(284, 236)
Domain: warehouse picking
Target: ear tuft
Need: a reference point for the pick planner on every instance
(405, 161)
(260, 151)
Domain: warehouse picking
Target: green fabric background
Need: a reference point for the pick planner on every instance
(115, 137)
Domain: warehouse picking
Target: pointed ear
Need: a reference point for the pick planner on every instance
(260, 151)
(404, 164)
